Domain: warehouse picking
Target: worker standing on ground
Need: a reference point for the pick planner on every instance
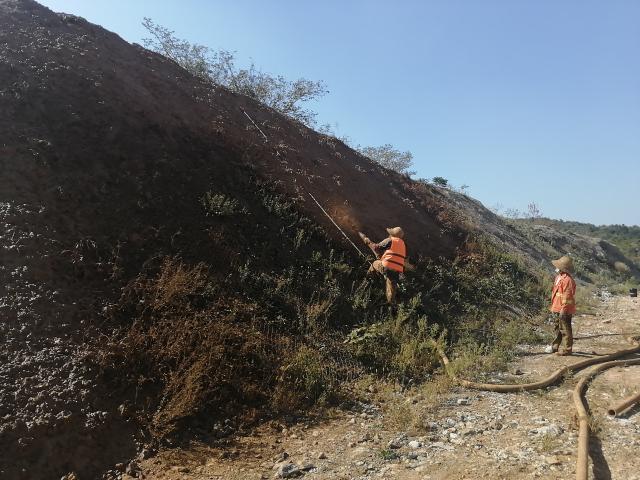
(563, 306)
(390, 254)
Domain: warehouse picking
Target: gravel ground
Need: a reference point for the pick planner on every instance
(467, 435)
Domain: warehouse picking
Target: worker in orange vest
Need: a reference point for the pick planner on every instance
(391, 254)
(563, 306)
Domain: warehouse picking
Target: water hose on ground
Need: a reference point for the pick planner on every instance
(582, 464)
(604, 362)
(617, 408)
(550, 380)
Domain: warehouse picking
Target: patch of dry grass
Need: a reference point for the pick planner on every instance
(410, 410)
(548, 443)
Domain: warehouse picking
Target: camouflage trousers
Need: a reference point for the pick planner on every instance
(391, 284)
(563, 331)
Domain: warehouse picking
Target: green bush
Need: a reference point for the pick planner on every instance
(306, 377)
(490, 350)
(219, 204)
(300, 306)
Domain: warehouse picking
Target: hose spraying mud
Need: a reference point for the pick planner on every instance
(617, 408)
(266, 139)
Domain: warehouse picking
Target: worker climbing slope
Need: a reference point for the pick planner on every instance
(563, 306)
(391, 254)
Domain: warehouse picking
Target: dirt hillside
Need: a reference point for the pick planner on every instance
(106, 152)
(161, 262)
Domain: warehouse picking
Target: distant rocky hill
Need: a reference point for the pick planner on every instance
(599, 256)
(625, 238)
(599, 252)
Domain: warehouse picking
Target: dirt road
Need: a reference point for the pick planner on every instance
(429, 435)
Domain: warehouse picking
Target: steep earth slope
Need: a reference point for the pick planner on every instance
(151, 238)
(106, 152)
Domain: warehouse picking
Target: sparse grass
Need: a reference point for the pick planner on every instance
(434, 392)
(388, 455)
(176, 281)
(400, 415)
(409, 410)
(473, 357)
(300, 239)
(586, 301)
(622, 288)
(399, 344)
(316, 312)
(595, 424)
(548, 443)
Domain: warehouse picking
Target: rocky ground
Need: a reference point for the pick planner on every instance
(457, 434)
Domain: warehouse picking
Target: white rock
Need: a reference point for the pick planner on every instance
(552, 460)
(287, 470)
(552, 430)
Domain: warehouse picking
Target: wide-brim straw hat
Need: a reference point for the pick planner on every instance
(396, 232)
(564, 264)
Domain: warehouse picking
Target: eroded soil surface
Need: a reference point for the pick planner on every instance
(460, 434)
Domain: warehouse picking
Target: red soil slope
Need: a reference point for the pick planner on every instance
(105, 150)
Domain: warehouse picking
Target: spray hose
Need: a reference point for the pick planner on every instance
(309, 193)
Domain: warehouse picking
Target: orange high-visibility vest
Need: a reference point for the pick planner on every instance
(563, 295)
(393, 258)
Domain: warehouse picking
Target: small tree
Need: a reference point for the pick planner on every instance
(331, 131)
(512, 213)
(390, 158)
(497, 208)
(219, 67)
(441, 182)
(533, 211)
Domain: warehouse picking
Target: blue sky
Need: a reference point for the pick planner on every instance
(522, 100)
